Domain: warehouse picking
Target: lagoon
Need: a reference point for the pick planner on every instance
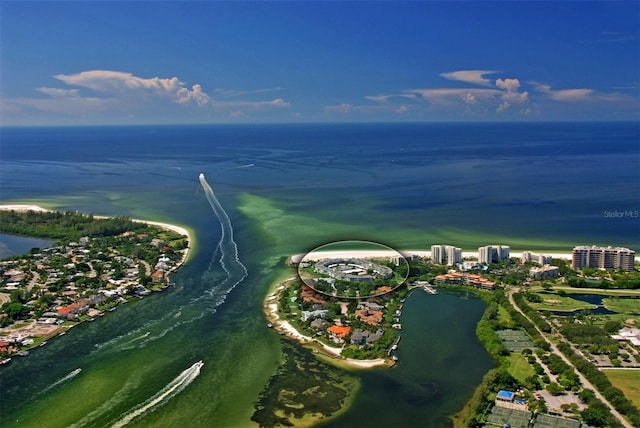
(13, 245)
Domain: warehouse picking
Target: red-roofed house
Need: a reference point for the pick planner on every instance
(339, 331)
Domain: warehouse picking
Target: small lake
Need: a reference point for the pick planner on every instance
(595, 299)
(14, 245)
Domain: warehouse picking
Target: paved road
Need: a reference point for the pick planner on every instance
(585, 382)
(34, 280)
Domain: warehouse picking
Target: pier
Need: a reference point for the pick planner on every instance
(394, 348)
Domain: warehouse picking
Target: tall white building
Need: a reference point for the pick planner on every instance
(493, 253)
(602, 258)
(454, 255)
(446, 254)
(437, 254)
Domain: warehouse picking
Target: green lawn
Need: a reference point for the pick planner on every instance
(519, 367)
(504, 318)
(623, 306)
(555, 302)
(628, 381)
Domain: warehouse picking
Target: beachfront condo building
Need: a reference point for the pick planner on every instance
(493, 253)
(541, 259)
(602, 258)
(446, 254)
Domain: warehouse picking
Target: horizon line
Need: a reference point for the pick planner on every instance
(389, 122)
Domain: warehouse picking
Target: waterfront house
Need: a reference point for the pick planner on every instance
(157, 276)
(307, 315)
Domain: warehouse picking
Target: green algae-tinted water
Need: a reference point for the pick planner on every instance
(288, 190)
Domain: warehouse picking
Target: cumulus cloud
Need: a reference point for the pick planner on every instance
(470, 99)
(196, 94)
(119, 82)
(511, 95)
(123, 94)
(475, 77)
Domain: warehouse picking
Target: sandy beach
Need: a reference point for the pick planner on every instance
(323, 255)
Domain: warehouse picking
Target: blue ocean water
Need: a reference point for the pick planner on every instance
(553, 181)
(530, 185)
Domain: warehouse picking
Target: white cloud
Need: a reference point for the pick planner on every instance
(470, 99)
(277, 103)
(386, 98)
(59, 104)
(119, 83)
(469, 76)
(448, 95)
(103, 92)
(509, 85)
(511, 94)
(566, 95)
(59, 93)
(195, 94)
(504, 106)
(236, 93)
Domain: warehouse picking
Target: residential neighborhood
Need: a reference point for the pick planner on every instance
(49, 290)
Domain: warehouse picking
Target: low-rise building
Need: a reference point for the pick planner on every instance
(465, 278)
(632, 335)
(320, 313)
(541, 259)
(545, 272)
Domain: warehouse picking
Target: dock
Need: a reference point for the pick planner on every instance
(429, 288)
(394, 348)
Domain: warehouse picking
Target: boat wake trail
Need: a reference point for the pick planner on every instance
(165, 394)
(71, 375)
(224, 272)
(227, 248)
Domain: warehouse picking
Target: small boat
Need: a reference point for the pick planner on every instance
(5, 361)
(270, 325)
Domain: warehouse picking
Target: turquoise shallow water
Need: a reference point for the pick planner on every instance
(402, 185)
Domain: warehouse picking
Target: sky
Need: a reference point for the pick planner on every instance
(174, 62)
